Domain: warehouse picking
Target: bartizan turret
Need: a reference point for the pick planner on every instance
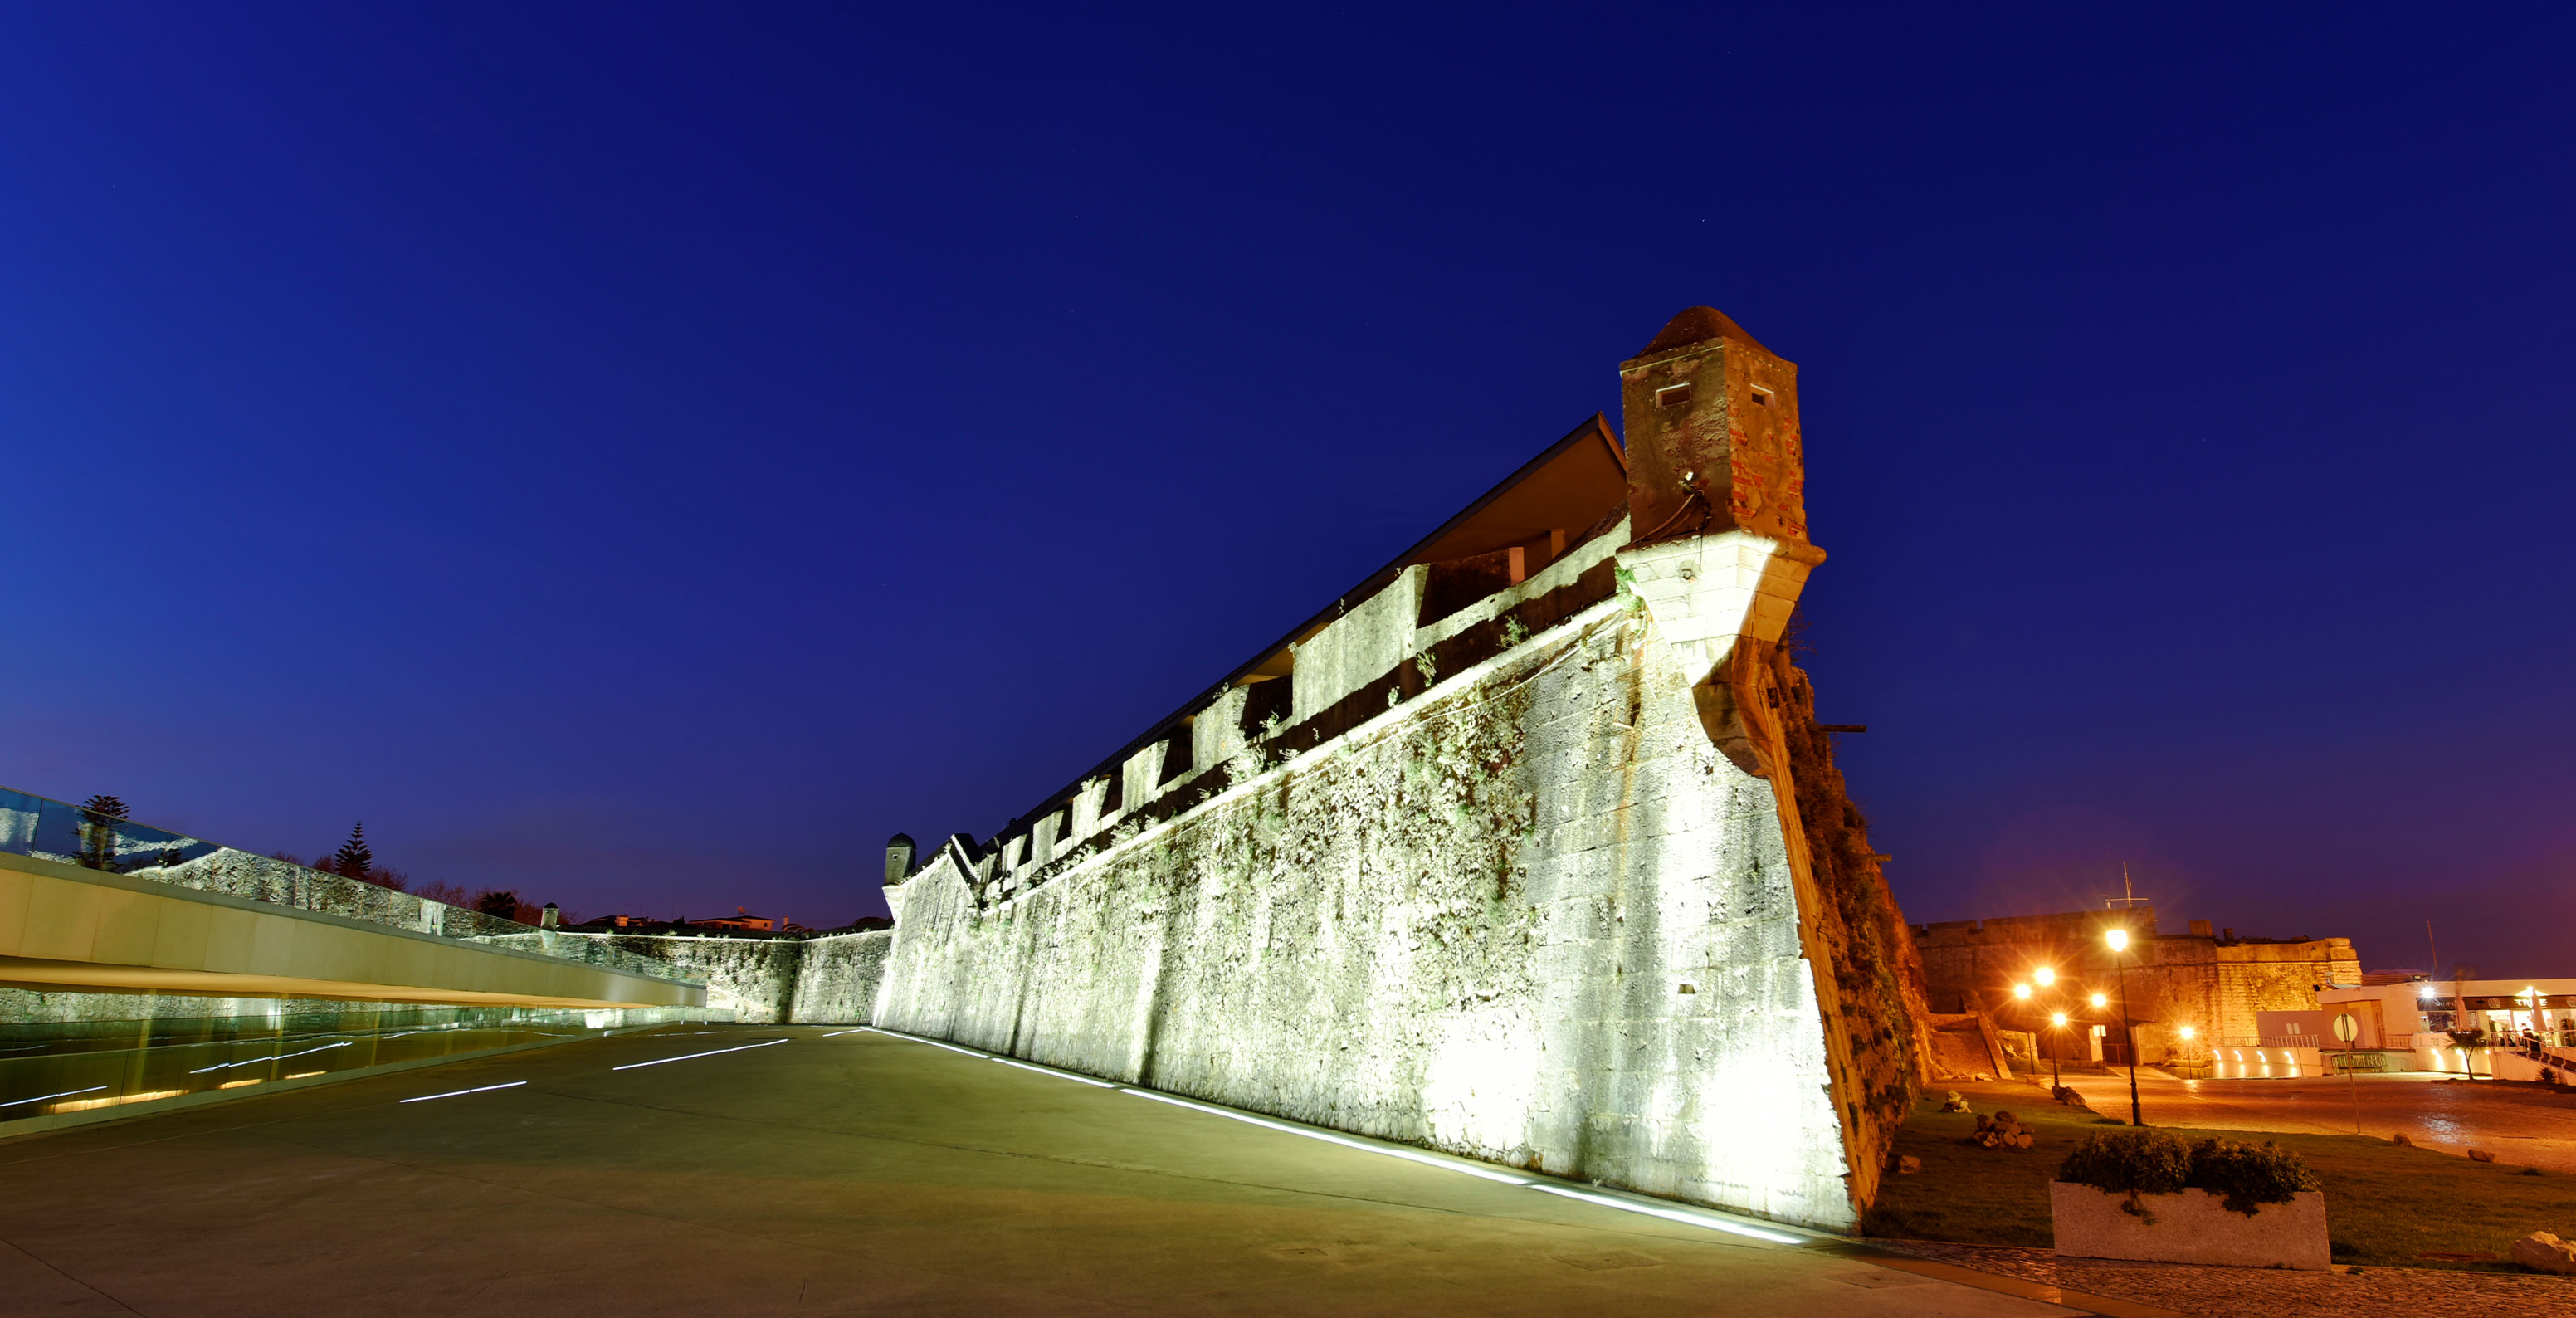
(1717, 512)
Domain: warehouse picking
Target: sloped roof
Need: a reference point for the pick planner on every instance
(1569, 486)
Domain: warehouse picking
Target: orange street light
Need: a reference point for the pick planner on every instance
(2119, 941)
(2045, 976)
(2021, 991)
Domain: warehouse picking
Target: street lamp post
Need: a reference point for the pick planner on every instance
(2056, 1082)
(2119, 940)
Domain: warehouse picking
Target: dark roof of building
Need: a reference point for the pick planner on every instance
(1573, 484)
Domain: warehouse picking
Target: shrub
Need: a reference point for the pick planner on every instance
(2128, 1162)
(2247, 1176)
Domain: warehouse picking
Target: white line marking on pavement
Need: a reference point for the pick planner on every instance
(687, 1056)
(481, 1089)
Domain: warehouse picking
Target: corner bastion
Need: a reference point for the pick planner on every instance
(1528, 848)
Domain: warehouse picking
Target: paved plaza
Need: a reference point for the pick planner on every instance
(852, 1172)
(2521, 1124)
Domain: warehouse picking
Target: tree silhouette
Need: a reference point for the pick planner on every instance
(353, 858)
(99, 817)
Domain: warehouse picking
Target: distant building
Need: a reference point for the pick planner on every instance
(740, 922)
(2398, 1014)
(2186, 992)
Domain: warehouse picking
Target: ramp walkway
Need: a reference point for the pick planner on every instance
(139, 966)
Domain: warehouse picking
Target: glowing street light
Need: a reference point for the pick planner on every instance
(2101, 1000)
(2045, 976)
(2188, 1032)
(2021, 991)
(2119, 941)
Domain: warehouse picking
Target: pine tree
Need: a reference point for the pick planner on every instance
(353, 858)
(99, 817)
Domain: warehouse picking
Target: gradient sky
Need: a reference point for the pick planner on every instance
(646, 455)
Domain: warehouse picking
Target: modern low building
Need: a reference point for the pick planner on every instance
(2419, 1023)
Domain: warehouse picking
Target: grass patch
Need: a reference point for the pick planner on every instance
(2385, 1206)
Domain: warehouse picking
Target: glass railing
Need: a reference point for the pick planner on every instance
(47, 829)
(59, 1066)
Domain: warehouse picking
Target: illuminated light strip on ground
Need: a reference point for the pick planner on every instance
(688, 1056)
(1060, 1075)
(90, 1104)
(1668, 1214)
(483, 1089)
(43, 1097)
(273, 1057)
(1682, 1216)
(1408, 1155)
(932, 1042)
(838, 1033)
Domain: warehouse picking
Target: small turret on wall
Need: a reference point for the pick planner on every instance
(898, 858)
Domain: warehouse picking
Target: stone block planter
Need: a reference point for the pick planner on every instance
(2190, 1227)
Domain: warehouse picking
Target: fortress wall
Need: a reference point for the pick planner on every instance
(1531, 916)
(1528, 849)
(754, 978)
(2215, 984)
(763, 981)
(837, 978)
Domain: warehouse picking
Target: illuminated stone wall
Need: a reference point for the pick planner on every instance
(765, 981)
(837, 978)
(1528, 850)
(1532, 915)
(2211, 981)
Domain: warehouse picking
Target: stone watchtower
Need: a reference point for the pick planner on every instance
(1718, 514)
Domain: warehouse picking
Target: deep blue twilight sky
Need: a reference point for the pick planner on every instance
(647, 455)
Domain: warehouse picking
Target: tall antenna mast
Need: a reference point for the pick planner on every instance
(2128, 897)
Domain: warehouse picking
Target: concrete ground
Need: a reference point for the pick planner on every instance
(843, 1173)
(2524, 1125)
